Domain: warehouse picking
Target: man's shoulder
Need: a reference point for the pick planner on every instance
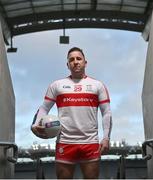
(98, 83)
(89, 78)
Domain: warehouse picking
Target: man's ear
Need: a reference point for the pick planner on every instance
(85, 62)
(68, 65)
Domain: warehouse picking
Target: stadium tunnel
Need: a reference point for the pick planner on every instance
(19, 17)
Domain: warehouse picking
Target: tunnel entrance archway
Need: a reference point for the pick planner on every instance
(25, 16)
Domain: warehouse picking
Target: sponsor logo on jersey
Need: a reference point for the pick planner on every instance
(77, 88)
(66, 87)
(77, 100)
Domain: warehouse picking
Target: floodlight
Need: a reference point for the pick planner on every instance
(11, 49)
(64, 39)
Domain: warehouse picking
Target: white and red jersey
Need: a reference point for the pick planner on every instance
(77, 101)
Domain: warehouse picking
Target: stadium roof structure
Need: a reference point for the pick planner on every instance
(26, 16)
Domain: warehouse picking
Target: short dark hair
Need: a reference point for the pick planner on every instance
(75, 49)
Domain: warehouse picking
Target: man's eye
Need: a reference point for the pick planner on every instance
(71, 59)
(78, 58)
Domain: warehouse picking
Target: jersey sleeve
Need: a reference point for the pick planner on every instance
(51, 92)
(107, 120)
(103, 94)
(42, 111)
(104, 104)
(49, 101)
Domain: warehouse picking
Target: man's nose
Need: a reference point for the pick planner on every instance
(75, 60)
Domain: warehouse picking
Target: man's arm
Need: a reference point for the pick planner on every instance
(36, 127)
(107, 126)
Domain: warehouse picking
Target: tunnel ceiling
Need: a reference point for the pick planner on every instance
(26, 16)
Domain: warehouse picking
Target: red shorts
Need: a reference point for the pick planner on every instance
(74, 153)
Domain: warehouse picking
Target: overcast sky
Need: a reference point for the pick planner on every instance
(115, 57)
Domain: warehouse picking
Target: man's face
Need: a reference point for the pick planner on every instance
(76, 62)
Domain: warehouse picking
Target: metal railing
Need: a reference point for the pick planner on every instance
(146, 143)
(9, 145)
(121, 172)
(40, 174)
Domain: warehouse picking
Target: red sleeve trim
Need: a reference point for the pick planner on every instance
(104, 101)
(50, 99)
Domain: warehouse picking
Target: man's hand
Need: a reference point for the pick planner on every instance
(104, 146)
(39, 131)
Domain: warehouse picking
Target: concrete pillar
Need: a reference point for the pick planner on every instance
(7, 112)
(147, 99)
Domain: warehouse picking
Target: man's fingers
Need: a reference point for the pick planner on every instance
(40, 132)
(104, 148)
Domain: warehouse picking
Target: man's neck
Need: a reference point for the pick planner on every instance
(78, 76)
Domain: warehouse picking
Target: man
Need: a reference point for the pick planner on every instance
(77, 98)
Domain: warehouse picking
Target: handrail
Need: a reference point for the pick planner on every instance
(146, 143)
(9, 145)
(121, 172)
(39, 169)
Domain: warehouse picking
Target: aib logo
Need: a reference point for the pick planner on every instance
(78, 88)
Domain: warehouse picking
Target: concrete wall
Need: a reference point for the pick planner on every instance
(147, 99)
(7, 111)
